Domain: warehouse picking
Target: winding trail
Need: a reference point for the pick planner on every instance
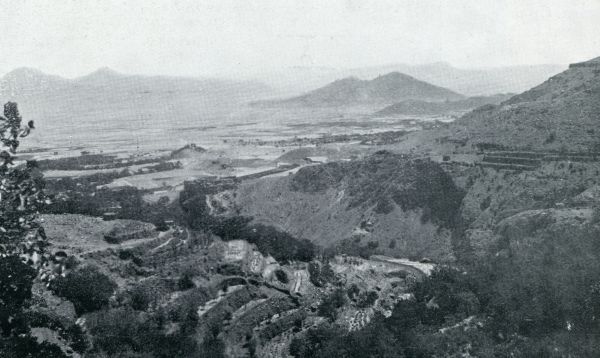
(422, 267)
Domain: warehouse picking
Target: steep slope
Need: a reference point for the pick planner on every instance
(390, 88)
(417, 107)
(384, 198)
(562, 112)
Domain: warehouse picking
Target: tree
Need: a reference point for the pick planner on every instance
(22, 239)
(330, 304)
(88, 289)
(21, 194)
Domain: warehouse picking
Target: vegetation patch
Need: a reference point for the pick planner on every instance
(87, 287)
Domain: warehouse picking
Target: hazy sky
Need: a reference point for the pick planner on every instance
(73, 37)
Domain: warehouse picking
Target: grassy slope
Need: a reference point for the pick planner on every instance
(560, 113)
(381, 198)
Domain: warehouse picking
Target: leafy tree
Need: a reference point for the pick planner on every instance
(368, 300)
(281, 276)
(185, 282)
(309, 344)
(88, 289)
(330, 304)
(22, 240)
(21, 194)
(16, 279)
(320, 274)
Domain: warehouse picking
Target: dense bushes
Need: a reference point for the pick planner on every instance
(385, 179)
(87, 288)
(142, 328)
(29, 347)
(16, 279)
(312, 179)
(367, 300)
(542, 300)
(320, 274)
(330, 304)
(327, 341)
(281, 276)
(185, 282)
(269, 241)
(133, 334)
(82, 197)
(69, 331)
(143, 296)
(354, 247)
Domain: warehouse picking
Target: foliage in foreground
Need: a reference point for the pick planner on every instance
(533, 303)
(22, 241)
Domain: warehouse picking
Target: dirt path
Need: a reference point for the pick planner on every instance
(423, 268)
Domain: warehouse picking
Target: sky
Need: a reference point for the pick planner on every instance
(207, 38)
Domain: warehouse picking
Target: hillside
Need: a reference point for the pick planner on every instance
(384, 198)
(561, 113)
(417, 107)
(387, 89)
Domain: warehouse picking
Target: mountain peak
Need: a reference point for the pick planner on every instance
(384, 90)
(104, 71)
(347, 80)
(99, 77)
(27, 80)
(24, 72)
(394, 76)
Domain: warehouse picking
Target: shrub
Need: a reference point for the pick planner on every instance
(281, 276)
(320, 274)
(88, 289)
(368, 299)
(330, 304)
(230, 270)
(353, 291)
(185, 282)
(15, 288)
(30, 348)
(143, 296)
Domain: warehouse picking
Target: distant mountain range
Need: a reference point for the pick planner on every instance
(471, 82)
(28, 81)
(562, 112)
(109, 96)
(418, 107)
(383, 90)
